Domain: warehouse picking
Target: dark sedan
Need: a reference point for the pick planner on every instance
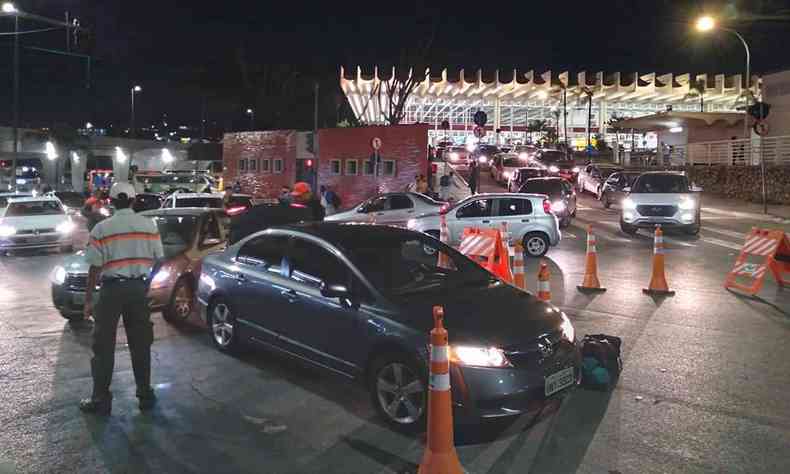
(560, 193)
(612, 192)
(356, 300)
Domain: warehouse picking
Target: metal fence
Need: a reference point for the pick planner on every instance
(746, 152)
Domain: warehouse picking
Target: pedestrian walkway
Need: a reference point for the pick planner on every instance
(751, 210)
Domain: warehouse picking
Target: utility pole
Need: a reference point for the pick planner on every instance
(315, 135)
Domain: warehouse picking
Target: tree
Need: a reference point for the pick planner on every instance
(537, 126)
(697, 89)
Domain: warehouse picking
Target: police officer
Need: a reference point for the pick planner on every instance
(122, 252)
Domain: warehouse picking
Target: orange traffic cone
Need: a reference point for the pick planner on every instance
(544, 282)
(440, 456)
(519, 280)
(590, 282)
(658, 281)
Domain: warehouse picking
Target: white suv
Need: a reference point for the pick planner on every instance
(661, 197)
(528, 216)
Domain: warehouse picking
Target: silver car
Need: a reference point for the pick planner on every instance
(529, 218)
(389, 208)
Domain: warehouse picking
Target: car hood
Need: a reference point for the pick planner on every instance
(34, 222)
(660, 198)
(498, 315)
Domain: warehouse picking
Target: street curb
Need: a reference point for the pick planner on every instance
(747, 215)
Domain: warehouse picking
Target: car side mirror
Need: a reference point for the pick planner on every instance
(696, 189)
(627, 189)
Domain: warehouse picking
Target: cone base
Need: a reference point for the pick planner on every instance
(444, 463)
(590, 289)
(649, 291)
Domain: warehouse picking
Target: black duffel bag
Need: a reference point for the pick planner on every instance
(601, 361)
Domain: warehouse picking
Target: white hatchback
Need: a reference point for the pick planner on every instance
(661, 197)
(35, 223)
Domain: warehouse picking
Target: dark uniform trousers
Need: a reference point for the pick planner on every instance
(127, 298)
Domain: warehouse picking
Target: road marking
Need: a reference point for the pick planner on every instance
(722, 243)
(728, 233)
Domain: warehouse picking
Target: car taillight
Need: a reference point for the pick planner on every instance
(234, 211)
(443, 210)
(546, 206)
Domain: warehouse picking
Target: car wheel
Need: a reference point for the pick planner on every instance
(182, 302)
(605, 201)
(399, 391)
(627, 228)
(222, 326)
(536, 244)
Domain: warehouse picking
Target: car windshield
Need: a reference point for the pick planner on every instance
(177, 232)
(209, 202)
(34, 208)
(553, 156)
(661, 183)
(426, 200)
(401, 264)
(513, 162)
(550, 187)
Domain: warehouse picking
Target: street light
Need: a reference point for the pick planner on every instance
(251, 113)
(9, 7)
(134, 90)
(705, 23)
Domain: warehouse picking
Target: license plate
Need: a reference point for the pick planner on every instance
(78, 299)
(559, 380)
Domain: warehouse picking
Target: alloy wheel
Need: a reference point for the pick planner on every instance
(536, 246)
(183, 302)
(401, 393)
(222, 325)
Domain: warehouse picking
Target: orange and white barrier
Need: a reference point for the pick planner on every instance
(477, 244)
(485, 247)
(519, 278)
(763, 250)
(658, 281)
(591, 282)
(506, 238)
(544, 282)
(440, 456)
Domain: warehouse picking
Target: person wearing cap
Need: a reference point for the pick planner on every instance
(303, 197)
(122, 251)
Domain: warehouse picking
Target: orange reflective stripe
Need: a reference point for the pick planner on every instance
(125, 236)
(126, 262)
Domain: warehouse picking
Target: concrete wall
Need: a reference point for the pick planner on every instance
(776, 91)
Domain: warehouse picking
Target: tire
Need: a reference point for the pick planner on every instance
(402, 402)
(182, 302)
(627, 228)
(536, 244)
(605, 201)
(225, 335)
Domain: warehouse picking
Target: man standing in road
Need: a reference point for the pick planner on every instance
(474, 175)
(122, 252)
(303, 197)
(444, 185)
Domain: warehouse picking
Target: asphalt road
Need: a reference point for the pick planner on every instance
(704, 387)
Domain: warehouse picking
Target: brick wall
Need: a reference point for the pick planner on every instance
(407, 145)
(257, 147)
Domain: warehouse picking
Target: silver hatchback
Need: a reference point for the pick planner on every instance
(529, 219)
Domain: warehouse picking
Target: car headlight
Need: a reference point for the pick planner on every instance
(554, 169)
(454, 156)
(483, 159)
(58, 275)
(687, 204)
(479, 356)
(576, 169)
(65, 227)
(568, 331)
(104, 211)
(558, 206)
(507, 174)
(7, 231)
(523, 155)
(628, 203)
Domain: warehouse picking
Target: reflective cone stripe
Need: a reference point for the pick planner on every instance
(506, 237)
(658, 243)
(519, 279)
(544, 282)
(590, 281)
(440, 456)
(658, 281)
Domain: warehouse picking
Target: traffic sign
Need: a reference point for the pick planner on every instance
(376, 143)
(445, 125)
(761, 127)
(480, 132)
(480, 118)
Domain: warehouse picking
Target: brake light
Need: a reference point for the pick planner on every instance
(234, 211)
(546, 206)
(443, 210)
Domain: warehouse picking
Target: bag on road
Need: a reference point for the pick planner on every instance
(601, 361)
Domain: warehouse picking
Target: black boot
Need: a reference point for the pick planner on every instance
(97, 406)
(147, 398)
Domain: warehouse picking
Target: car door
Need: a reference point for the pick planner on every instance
(376, 209)
(324, 330)
(262, 292)
(516, 211)
(476, 213)
(400, 208)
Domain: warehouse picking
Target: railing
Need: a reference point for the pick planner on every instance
(745, 152)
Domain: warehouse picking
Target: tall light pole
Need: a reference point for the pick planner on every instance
(251, 113)
(707, 23)
(9, 8)
(134, 90)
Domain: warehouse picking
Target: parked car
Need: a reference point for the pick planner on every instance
(558, 162)
(35, 223)
(187, 235)
(661, 197)
(504, 167)
(147, 202)
(357, 300)
(529, 218)
(560, 193)
(523, 174)
(389, 208)
(612, 191)
(592, 177)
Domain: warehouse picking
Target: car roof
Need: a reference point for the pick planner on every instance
(669, 172)
(546, 178)
(500, 196)
(179, 211)
(336, 232)
(19, 195)
(197, 195)
(35, 199)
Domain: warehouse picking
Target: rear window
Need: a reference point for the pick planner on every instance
(552, 156)
(661, 184)
(551, 187)
(212, 203)
(34, 208)
(512, 162)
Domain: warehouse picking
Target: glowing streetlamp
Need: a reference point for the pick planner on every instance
(134, 90)
(251, 113)
(705, 23)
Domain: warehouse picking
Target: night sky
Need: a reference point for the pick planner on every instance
(223, 56)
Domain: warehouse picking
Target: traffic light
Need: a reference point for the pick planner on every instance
(759, 110)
